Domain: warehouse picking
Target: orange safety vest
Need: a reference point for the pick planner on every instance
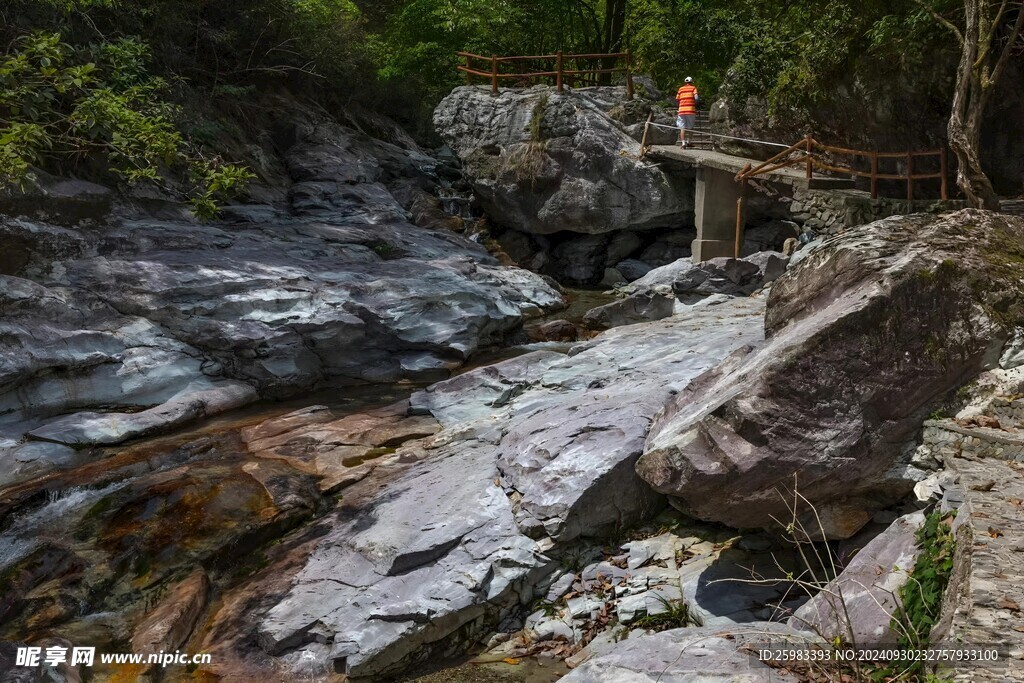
(687, 97)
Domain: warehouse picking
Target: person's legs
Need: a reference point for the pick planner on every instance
(686, 122)
(682, 131)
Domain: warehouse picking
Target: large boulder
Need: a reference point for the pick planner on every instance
(865, 335)
(543, 162)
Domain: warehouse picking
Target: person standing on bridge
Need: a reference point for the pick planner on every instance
(688, 100)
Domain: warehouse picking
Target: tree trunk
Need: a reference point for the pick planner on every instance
(614, 26)
(982, 61)
(970, 177)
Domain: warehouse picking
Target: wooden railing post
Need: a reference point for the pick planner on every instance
(809, 146)
(629, 76)
(643, 140)
(944, 166)
(559, 68)
(494, 74)
(874, 174)
(910, 176)
(469, 67)
(741, 205)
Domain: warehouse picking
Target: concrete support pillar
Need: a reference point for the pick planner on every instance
(715, 213)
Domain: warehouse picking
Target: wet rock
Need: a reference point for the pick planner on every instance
(635, 308)
(286, 423)
(90, 429)
(859, 604)
(555, 331)
(131, 324)
(206, 512)
(688, 654)
(579, 172)
(340, 452)
(168, 626)
(633, 269)
(854, 363)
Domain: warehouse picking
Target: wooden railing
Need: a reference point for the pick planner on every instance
(559, 67)
(807, 153)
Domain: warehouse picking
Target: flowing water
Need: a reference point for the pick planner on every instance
(29, 530)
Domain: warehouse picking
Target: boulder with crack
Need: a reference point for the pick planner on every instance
(865, 335)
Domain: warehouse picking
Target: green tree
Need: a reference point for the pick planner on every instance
(59, 105)
(988, 32)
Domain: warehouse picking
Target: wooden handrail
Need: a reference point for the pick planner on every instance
(809, 145)
(519, 58)
(763, 167)
(559, 73)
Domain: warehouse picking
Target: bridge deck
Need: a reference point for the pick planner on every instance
(795, 176)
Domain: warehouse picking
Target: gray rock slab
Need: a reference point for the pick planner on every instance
(688, 655)
(858, 605)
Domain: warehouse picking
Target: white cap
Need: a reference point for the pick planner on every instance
(689, 79)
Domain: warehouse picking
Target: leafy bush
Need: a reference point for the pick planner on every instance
(921, 596)
(61, 105)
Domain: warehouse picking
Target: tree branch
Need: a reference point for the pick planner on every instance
(942, 20)
(1004, 58)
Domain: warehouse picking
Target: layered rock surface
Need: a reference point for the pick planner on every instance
(865, 334)
(534, 453)
(134, 322)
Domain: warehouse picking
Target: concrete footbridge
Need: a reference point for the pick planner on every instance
(722, 179)
(718, 200)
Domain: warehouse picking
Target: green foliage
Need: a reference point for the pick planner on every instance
(795, 59)
(921, 596)
(676, 615)
(537, 119)
(61, 105)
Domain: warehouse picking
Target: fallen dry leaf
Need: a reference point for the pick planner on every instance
(1008, 603)
(994, 532)
(510, 660)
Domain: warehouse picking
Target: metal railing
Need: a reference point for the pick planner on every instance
(559, 67)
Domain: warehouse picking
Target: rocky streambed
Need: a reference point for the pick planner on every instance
(601, 503)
